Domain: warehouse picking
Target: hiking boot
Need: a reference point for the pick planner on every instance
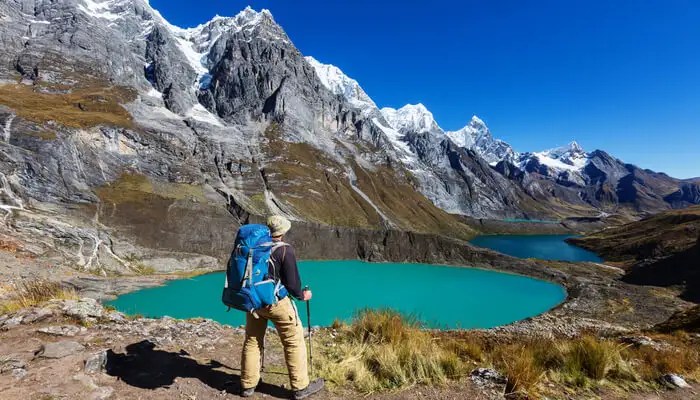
(247, 392)
(314, 387)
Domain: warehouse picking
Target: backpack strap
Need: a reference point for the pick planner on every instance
(275, 246)
(248, 275)
(275, 269)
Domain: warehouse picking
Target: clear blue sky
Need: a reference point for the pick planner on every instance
(619, 75)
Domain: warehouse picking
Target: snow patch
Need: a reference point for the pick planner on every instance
(406, 155)
(201, 114)
(99, 9)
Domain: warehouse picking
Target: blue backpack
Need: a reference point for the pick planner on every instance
(249, 285)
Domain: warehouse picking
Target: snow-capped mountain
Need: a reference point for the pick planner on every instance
(567, 173)
(411, 118)
(571, 157)
(477, 136)
(440, 168)
(337, 82)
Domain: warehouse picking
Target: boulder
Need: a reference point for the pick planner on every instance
(37, 315)
(59, 349)
(85, 309)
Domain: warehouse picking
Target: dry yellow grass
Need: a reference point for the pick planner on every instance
(32, 293)
(81, 108)
(382, 350)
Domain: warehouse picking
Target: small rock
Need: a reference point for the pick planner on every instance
(12, 322)
(59, 349)
(10, 364)
(641, 341)
(19, 373)
(96, 362)
(487, 376)
(65, 330)
(674, 381)
(115, 316)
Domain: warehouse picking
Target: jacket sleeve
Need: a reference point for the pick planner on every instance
(289, 272)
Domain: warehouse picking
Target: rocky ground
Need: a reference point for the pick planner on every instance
(75, 349)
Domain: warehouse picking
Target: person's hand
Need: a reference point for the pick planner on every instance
(306, 295)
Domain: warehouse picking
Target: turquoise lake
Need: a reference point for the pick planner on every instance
(441, 297)
(544, 247)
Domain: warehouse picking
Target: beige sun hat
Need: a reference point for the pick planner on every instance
(278, 225)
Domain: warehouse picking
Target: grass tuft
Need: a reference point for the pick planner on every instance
(32, 293)
(384, 350)
(523, 372)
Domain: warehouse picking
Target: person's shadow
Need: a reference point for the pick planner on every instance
(145, 367)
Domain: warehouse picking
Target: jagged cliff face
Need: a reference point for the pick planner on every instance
(128, 141)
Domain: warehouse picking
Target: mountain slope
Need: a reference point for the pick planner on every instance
(126, 138)
(662, 250)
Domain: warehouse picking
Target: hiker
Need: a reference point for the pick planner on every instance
(284, 316)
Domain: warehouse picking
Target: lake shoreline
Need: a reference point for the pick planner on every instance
(590, 297)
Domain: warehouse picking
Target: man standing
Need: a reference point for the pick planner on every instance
(286, 319)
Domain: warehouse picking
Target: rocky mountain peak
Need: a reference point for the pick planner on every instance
(411, 117)
(477, 136)
(571, 150)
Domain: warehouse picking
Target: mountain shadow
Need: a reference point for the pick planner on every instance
(145, 367)
(680, 269)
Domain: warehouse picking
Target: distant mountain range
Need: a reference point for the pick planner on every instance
(567, 174)
(129, 131)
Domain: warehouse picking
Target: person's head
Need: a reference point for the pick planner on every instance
(278, 225)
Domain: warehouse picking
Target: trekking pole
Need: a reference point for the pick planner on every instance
(308, 322)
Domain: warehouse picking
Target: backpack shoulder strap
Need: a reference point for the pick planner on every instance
(275, 268)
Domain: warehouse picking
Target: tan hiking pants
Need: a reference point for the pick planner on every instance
(286, 320)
